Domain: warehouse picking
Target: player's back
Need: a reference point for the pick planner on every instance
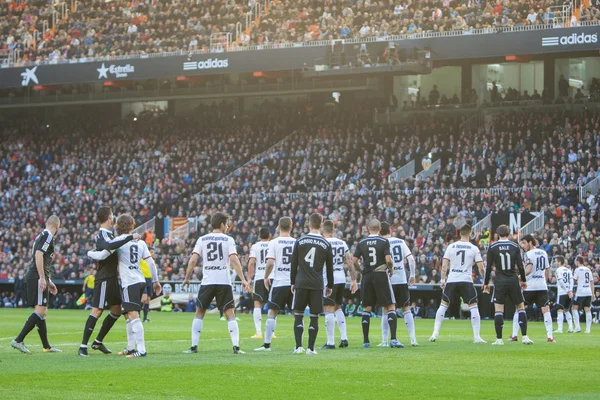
(399, 251)
(339, 249)
(506, 257)
(280, 251)
(583, 276)
(539, 261)
(131, 255)
(462, 256)
(214, 250)
(564, 275)
(372, 250)
(259, 252)
(312, 252)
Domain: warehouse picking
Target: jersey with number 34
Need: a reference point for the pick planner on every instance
(214, 251)
(130, 256)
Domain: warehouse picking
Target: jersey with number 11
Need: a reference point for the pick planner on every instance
(214, 251)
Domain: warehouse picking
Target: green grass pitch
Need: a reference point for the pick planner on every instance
(451, 368)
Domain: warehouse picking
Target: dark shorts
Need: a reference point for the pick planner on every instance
(35, 296)
(465, 290)
(313, 298)
(508, 288)
(132, 297)
(401, 294)
(280, 297)
(584, 301)
(376, 289)
(107, 293)
(337, 296)
(537, 297)
(259, 291)
(223, 294)
(564, 302)
(149, 289)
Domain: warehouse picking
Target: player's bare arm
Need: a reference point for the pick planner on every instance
(268, 270)
(445, 265)
(188, 273)
(251, 266)
(352, 272)
(480, 268)
(356, 263)
(237, 266)
(390, 264)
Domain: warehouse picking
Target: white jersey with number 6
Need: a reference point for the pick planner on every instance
(462, 257)
(214, 251)
(259, 251)
(536, 280)
(340, 249)
(399, 251)
(564, 280)
(130, 256)
(280, 250)
(583, 276)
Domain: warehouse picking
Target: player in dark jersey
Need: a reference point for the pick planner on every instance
(506, 257)
(311, 254)
(38, 285)
(107, 291)
(376, 288)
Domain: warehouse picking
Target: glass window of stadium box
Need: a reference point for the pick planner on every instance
(447, 82)
(495, 83)
(578, 73)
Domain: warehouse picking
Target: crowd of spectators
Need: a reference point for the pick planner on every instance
(98, 28)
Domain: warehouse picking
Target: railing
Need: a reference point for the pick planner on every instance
(429, 172)
(316, 43)
(481, 226)
(533, 226)
(181, 233)
(403, 172)
(593, 187)
(146, 226)
(473, 123)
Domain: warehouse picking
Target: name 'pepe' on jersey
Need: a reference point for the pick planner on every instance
(506, 257)
(280, 250)
(259, 252)
(564, 280)
(462, 256)
(539, 261)
(311, 256)
(399, 251)
(583, 276)
(340, 249)
(372, 250)
(214, 250)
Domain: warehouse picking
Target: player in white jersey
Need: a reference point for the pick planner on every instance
(459, 258)
(584, 295)
(333, 304)
(218, 253)
(401, 255)
(279, 261)
(133, 283)
(537, 269)
(257, 265)
(564, 282)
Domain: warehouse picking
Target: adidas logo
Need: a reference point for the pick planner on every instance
(570, 40)
(211, 63)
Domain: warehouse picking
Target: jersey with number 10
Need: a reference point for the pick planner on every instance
(259, 251)
(583, 276)
(214, 251)
(280, 250)
(131, 255)
(462, 256)
(539, 261)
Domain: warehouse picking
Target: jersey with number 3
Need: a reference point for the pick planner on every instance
(130, 256)
(399, 251)
(564, 280)
(340, 249)
(280, 250)
(583, 276)
(214, 251)
(539, 261)
(462, 257)
(259, 251)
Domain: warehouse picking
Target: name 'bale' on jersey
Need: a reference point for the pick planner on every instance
(583, 276)
(506, 257)
(399, 251)
(339, 249)
(214, 250)
(259, 252)
(462, 256)
(372, 250)
(131, 255)
(280, 250)
(539, 261)
(311, 255)
(44, 242)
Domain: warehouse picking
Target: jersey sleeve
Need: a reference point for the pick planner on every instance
(488, 267)
(329, 266)
(271, 250)
(447, 253)
(387, 248)
(144, 252)
(253, 252)
(357, 252)
(44, 243)
(294, 264)
(198, 248)
(477, 257)
(232, 247)
(104, 241)
(405, 250)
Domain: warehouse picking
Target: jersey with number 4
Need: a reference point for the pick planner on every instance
(399, 251)
(214, 251)
(130, 256)
(584, 277)
(564, 280)
(539, 261)
(259, 251)
(340, 249)
(280, 250)
(462, 256)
